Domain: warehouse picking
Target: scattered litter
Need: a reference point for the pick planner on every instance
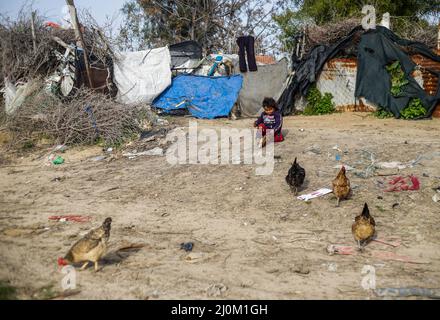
(194, 257)
(339, 166)
(75, 218)
(155, 294)
(367, 161)
(380, 197)
(216, 290)
(301, 130)
(400, 183)
(58, 160)
(188, 246)
(395, 205)
(315, 194)
(98, 158)
(153, 152)
(391, 241)
(332, 267)
(391, 165)
(424, 157)
(436, 198)
(109, 150)
(340, 249)
(408, 292)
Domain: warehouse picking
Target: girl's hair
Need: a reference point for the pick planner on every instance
(269, 102)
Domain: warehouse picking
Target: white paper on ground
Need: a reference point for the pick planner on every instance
(315, 194)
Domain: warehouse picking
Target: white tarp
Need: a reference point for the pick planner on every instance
(143, 75)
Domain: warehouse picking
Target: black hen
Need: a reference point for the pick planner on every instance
(295, 177)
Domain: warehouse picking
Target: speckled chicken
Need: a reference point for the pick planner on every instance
(341, 186)
(90, 248)
(363, 228)
(295, 177)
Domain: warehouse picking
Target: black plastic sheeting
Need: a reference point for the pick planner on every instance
(308, 69)
(379, 48)
(376, 49)
(184, 51)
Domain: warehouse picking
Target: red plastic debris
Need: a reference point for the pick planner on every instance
(62, 262)
(77, 218)
(52, 24)
(400, 183)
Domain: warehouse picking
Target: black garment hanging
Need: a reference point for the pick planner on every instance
(246, 43)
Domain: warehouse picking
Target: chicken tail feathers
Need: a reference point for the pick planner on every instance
(68, 256)
(106, 225)
(366, 211)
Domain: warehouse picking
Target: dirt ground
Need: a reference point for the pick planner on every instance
(252, 238)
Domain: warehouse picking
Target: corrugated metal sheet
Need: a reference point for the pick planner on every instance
(338, 77)
(430, 80)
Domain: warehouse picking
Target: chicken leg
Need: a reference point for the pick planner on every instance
(84, 265)
(96, 266)
(337, 202)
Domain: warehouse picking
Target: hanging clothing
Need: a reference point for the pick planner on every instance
(246, 47)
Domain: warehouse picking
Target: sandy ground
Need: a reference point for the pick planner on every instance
(252, 238)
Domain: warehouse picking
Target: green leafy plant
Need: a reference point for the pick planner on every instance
(381, 113)
(398, 80)
(415, 109)
(317, 103)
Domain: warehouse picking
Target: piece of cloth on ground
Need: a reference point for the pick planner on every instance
(204, 97)
(143, 75)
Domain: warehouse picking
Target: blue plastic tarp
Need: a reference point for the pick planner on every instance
(205, 97)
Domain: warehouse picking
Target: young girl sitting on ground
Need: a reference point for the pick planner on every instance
(270, 118)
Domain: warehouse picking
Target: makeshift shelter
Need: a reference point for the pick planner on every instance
(375, 49)
(205, 97)
(143, 75)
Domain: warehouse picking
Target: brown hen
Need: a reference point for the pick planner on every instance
(341, 186)
(90, 248)
(363, 228)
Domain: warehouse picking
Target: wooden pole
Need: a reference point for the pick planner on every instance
(34, 38)
(79, 37)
